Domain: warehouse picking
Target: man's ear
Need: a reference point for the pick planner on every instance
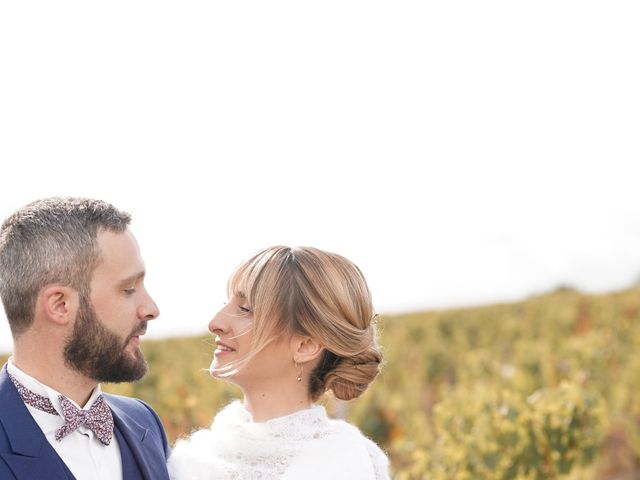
(58, 303)
(306, 349)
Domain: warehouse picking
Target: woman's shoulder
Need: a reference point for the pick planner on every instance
(342, 452)
(379, 459)
(377, 456)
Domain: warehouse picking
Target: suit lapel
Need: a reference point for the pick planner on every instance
(136, 436)
(31, 454)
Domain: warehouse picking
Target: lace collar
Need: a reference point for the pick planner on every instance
(293, 427)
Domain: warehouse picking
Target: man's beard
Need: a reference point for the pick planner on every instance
(100, 354)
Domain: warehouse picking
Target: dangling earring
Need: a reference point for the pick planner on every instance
(300, 372)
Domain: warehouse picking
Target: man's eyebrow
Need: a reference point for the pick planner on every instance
(133, 278)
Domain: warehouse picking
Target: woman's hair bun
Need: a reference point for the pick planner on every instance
(349, 377)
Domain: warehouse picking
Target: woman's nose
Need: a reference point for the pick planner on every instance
(217, 323)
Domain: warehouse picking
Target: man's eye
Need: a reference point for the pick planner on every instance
(129, 291)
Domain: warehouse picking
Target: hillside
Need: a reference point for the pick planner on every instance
(544, 388)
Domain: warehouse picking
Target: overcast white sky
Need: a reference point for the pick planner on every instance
(460, 152)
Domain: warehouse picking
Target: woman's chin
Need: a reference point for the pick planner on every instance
(218, 369)
(214, 367)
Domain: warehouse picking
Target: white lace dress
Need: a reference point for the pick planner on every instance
(304, 445)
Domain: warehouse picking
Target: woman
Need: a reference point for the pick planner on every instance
(298, 323)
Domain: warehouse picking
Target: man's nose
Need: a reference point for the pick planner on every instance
(148, 310)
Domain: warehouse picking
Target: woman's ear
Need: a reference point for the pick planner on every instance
(58, 304)
(305, 349)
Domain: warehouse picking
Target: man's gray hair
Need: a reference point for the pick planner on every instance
(52, 240)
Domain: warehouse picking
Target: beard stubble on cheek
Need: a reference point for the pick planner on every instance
(100, 354)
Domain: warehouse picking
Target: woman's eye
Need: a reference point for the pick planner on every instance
(129, 291)
(244, 309)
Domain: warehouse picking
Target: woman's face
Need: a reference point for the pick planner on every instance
(232, 327)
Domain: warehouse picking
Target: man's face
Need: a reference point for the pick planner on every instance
(105, 341)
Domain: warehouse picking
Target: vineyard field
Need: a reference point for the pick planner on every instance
(544, 388)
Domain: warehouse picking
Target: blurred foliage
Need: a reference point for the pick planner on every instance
(546, 388)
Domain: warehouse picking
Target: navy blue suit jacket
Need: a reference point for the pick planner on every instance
(25, 453)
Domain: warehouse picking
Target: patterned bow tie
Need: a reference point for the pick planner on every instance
(98, 418)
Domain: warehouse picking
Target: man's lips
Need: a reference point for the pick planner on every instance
(135, 336)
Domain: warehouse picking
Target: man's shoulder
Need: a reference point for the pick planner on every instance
(124, 401)
(133, 407)
(141, 413)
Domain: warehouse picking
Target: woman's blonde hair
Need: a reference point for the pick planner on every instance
(310, 292)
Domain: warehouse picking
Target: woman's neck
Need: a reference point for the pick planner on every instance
(266, 402)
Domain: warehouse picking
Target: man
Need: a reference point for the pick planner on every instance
(72, 285)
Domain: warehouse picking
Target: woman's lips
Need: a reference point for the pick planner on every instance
(222, 348)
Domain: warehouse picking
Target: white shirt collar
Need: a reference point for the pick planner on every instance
(41, 389)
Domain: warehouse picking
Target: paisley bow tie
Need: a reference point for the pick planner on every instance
(98, 418)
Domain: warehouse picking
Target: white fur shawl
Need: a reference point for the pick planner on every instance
(304, 445)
